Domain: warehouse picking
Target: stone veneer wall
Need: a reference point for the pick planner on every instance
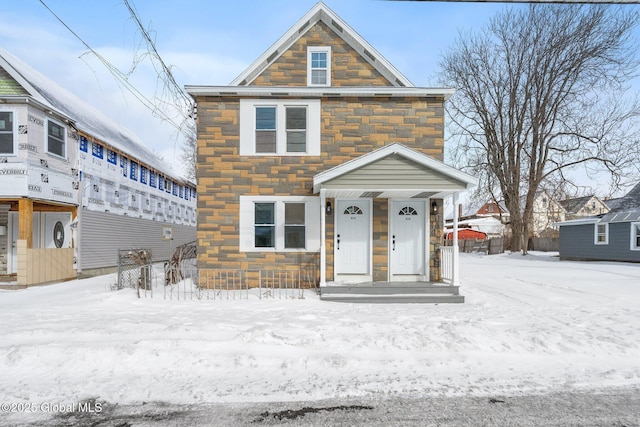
(350, 128)
(348, 68)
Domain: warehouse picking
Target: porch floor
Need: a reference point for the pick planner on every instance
(391, 292)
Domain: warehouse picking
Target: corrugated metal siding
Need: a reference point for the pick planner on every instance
(577, 243)
(102, 234)
(394, 173)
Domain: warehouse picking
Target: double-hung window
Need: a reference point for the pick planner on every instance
(279, 223)
(635, 236)
(280, 127)
(294, 226)
(7, 138)
(265, 225)
(601, 234)
(296, 122)
(319, 66)
(295, 133)
(265, 129)
(56, 143)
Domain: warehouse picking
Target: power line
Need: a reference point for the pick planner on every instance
(121, 78)
(150, 43)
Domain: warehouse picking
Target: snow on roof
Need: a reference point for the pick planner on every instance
(628, 202)
(574, 205)
(622, 216)
(86, 118)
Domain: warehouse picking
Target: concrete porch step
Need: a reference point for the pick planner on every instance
(392, 292)
(394, 298)
(390, 289)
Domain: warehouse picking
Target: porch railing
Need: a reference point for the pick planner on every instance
(446, 263)
(212, 284)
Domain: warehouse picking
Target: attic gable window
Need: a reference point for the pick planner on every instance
(7, 138)
(56, 142)
(319, 66)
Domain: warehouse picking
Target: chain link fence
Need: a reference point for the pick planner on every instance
(135, 270)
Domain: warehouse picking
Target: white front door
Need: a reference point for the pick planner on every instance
(408, 240)
(352, 237)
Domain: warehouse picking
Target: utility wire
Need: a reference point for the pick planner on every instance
(151, 44)
(122, 78)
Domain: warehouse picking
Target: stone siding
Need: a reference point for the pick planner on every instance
(350, 128)
(348, 68)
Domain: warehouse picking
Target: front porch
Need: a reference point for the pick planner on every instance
(392, 292)
(382, 228)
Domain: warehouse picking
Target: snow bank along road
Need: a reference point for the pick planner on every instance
(530, 325)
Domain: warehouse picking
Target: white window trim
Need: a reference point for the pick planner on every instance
(606, 234)
(315, 49)
(64, 136)
(632, 237)
(311, 219)
(248, 126)
(14, 114)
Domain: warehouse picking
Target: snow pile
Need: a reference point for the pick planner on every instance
(529, 325)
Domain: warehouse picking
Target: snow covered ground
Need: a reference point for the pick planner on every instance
(530, 324)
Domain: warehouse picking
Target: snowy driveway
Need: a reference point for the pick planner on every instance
(530, 325)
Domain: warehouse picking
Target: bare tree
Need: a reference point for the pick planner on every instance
(189, 150)
(540, 91)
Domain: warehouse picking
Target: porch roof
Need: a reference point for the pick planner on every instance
(392, 171)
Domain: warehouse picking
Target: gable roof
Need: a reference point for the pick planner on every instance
(575, 204)
(629, 201)
(411, 160)
(321, 12)
(83, 116)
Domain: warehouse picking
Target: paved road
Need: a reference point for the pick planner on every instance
(616, 408)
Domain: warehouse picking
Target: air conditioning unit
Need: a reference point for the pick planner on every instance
(57, 230)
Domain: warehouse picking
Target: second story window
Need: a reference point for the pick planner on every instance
(7, 140)
(55, 139)
(265, 129)
(319, 66)
(280, 127)
(296, 122)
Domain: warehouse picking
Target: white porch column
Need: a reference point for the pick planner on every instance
(323, 248)
(455, 280)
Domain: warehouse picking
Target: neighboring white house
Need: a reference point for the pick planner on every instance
(75, 186)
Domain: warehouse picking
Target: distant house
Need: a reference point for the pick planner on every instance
(614, 236)
(582, 207)
(493, 209)
(76, 186)
(322, 155)
(546, 212)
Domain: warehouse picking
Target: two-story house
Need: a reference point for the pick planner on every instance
(322, 156)
(75, 186)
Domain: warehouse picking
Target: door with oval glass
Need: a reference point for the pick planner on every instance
(352, 237)
(408, 240)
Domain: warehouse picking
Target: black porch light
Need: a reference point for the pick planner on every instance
(328, 209)
(434, 207)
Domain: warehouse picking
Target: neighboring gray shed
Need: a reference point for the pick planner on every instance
(611, 237)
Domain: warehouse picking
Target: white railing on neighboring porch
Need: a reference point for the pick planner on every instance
(446, 263)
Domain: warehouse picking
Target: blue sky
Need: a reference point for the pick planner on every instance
(210, 42)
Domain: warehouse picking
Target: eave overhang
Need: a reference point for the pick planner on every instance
(318, 92)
